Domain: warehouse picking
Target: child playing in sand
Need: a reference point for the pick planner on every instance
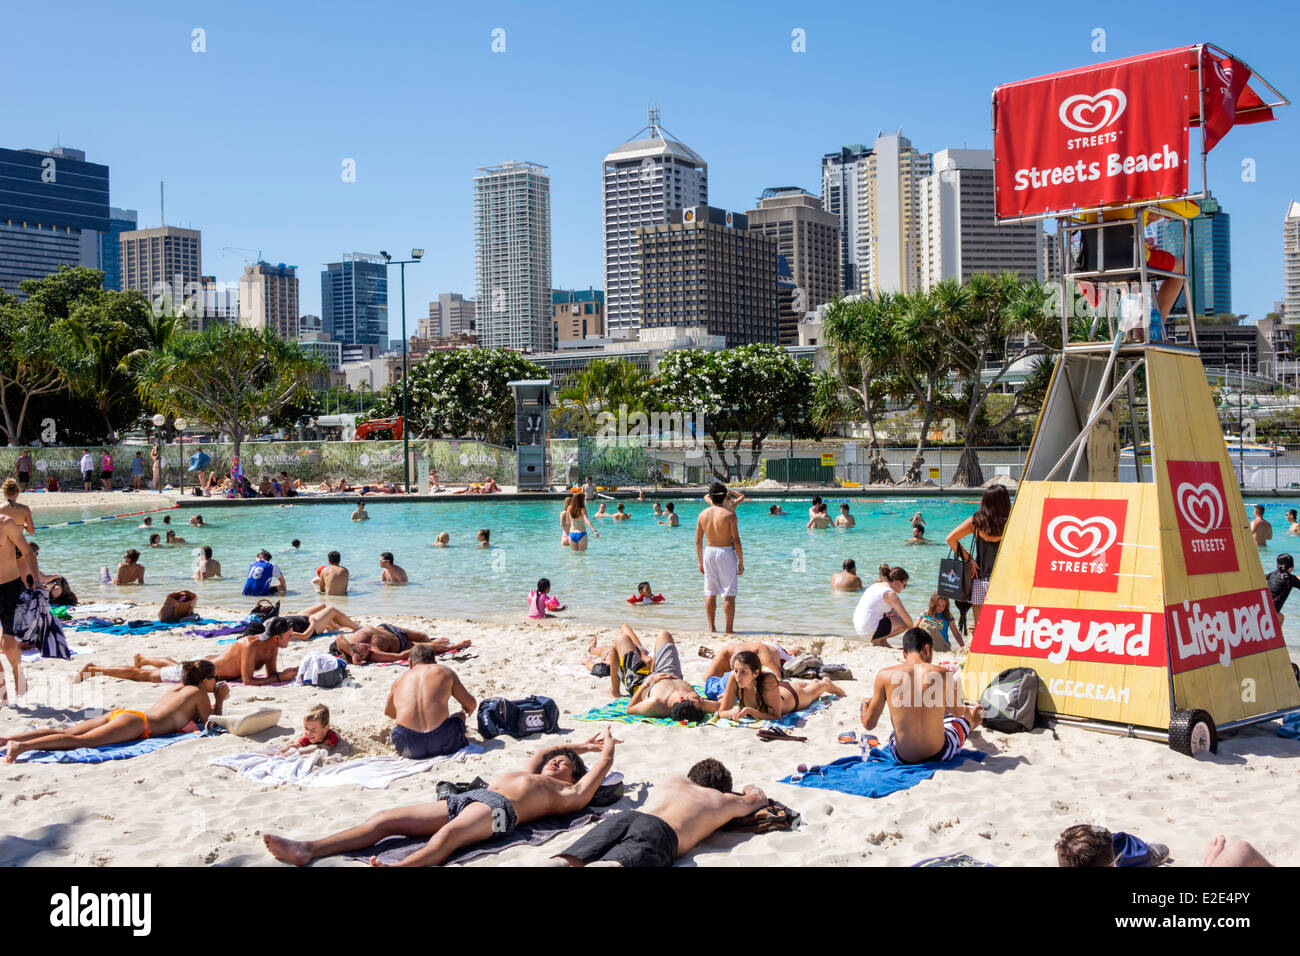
(443, 540)
(316, 733)
(938, 623)
(644, 595)
(540, 601)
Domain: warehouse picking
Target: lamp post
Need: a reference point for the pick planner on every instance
(179, 424)
(159, 420)
(416, 256)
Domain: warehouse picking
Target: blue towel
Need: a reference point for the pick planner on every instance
(140, 627)
(132, 748)
(878, 776)
(1290, 727)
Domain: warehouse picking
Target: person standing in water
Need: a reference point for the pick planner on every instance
(721, 559)
(577, 517)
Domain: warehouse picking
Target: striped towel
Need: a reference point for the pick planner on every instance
(616, 712)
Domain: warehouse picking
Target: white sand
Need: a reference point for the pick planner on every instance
(172, 808)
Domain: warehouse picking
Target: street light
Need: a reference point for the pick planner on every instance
(158, 420)
(416, 256)
(179, 424)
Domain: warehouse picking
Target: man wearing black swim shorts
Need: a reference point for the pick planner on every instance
(17, 566)
(689, 810)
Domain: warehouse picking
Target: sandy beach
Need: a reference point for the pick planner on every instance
(172, 808)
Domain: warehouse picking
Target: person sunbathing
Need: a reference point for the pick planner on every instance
(658, 690)
(418, 701)
(926, 709)
(181, 709)
(387, 644)
(771, 656)
(317, 619)
(555, 781)
(241, 661)
(690, 809)
(757, 692)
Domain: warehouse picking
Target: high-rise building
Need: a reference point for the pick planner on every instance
(1209, 265)
(1291, 263)
(450, 314)
(889, 215)
(705, 268)
(119, 221)
(165, 263)
(1049, 264)
(354, 299)
(643, 181)
(959, 238)
(809, 238)
(841, 184)
(512, 256)
(268, 298)
(53, 212)
(220, 302)
(577, 314)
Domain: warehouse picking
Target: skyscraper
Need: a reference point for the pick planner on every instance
(165, 263)
(841, 182)
(53, 212)
(1209, 264)
(959, 238)
(268, 298)
(119, 221)
(450, 314)
(889, 215)
(1291, 263)
(512, 256)
(809, 238)
(354, 300)
(643, 180)
(704, 267)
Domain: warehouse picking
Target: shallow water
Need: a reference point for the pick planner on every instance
(785, 588)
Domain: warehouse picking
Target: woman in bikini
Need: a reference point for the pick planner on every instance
(12, 509)
(754, 691)
(182, 709)
(577, 515)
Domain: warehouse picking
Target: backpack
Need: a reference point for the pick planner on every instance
(517, 718)
(1010, 701)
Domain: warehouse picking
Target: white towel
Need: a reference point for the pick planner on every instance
(101, 608)
(313, 665)
(264, 767)
(310, 770)
(34, 654)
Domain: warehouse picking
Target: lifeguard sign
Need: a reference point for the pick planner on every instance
(1138, 595)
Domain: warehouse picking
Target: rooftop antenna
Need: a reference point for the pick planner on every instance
(654, 122)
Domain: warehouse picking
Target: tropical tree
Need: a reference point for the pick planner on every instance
(227, 378)
(603, 386)
(743, 394)
(923, 366)
(863, 341)
(460, 393)
(110, 330)
(35, 358)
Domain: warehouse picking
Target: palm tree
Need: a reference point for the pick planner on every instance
(923, 360)
(863, 340)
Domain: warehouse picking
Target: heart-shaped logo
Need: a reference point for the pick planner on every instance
(1089, 114)
(1081, 538)
(1201, 505)
(1224, 73)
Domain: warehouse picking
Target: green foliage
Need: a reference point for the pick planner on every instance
(461, 393)
(603, 386)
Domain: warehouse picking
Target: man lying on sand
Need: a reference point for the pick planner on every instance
(555, 781)
(241, 661)
(689, 810)
(659, 691)
(772, 656)
(317, 619)
(181, 709)
(418, 702)
(926, 708)
(387, 643)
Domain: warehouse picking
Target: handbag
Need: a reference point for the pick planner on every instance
(955, 576)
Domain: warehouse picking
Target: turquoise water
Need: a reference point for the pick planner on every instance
(785, 588)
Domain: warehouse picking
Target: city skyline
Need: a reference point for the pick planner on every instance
(278, 183)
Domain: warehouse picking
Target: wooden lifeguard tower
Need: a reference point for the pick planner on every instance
(1140, 603)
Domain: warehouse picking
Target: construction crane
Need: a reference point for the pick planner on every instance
(240, 252)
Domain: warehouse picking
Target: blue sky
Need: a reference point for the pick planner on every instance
(250, 136)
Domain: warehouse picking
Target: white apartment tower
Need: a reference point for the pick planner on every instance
(644, 180)
(889, 215)
(959, 238)
(1291, 263)
(512, 256)
(841, 182)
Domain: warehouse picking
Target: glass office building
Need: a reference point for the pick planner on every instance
(354, 300)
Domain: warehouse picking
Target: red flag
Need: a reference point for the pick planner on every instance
(1223, 83)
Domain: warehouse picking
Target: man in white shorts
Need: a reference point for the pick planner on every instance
(717, 546)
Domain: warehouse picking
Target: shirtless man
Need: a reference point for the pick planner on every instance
(130, 571)
(317, 619)
(820, 518)
(418, 702)
(16, 565)
(670, 516)
(689, 810)
(847, 580)
(207, 568)
(657, 691)
(240, 661)
(387, 644)
(331, 578)
(845, 520)
(721, 560)
(1260, 528)
(391, 573)
(930, 719)
(555, 781)
(180, 710)
(361, 514)
(177, 605)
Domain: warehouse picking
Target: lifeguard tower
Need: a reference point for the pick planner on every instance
(532, 427)
(1141, 604)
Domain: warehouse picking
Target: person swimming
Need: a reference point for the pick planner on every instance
(645, 595)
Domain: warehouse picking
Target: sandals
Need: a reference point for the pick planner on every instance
(776, 733)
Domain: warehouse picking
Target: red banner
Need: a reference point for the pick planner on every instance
(1069, 634)
(1114, 133)
(1079, 544)
(1202, 512)
(1220, 630)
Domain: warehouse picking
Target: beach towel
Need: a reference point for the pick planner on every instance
(137, 627)
(132, 748)
(34, 624)
(34, 654)
(392, 850)
(1290, 727)
(104, 608)
(789, 720)
(951, 859)
(878, 776)
(311, 770)
(616, 712)
(236, 628)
